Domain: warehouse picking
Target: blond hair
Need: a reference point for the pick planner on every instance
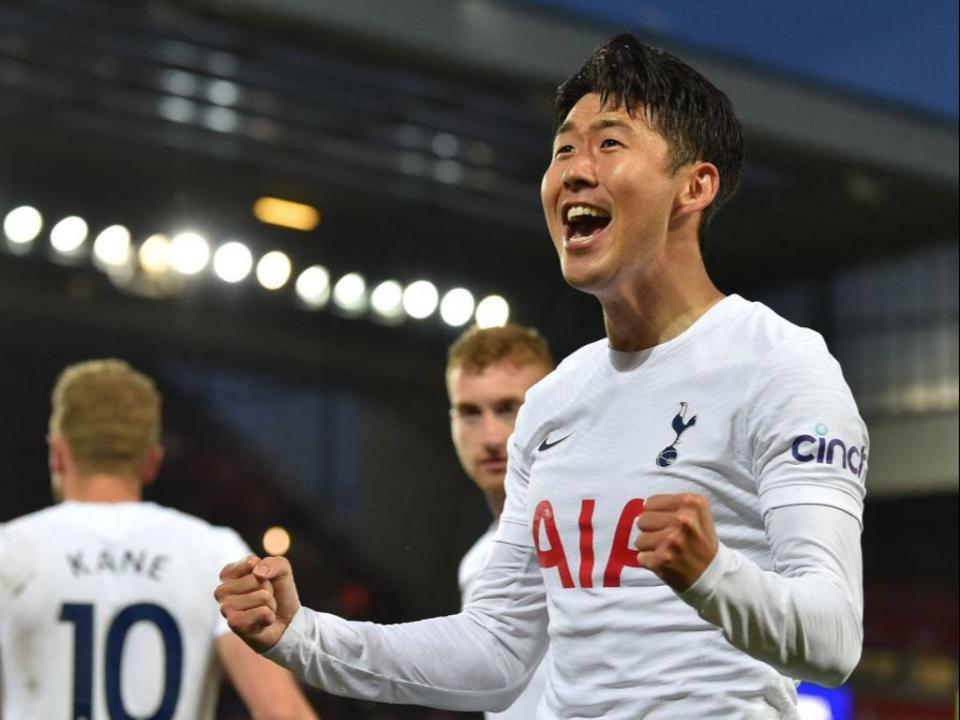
(108, 414)
(479, 347)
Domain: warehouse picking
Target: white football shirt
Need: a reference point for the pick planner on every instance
(107, 612)
(743, 408)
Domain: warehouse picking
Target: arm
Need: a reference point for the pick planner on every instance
(480, 659)
(269, 691)
(805, 616)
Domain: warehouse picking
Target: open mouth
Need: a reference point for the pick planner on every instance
(582, 222)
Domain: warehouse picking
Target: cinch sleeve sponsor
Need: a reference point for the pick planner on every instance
(808, 443)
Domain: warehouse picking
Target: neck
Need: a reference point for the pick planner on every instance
(664, 299)
(496, 501)
(103, 488)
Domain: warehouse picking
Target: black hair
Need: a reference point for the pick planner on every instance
(694, 117)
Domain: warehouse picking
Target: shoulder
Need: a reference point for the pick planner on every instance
(552, 395)
(767, 334)
(35, 522)
(569, 376)
(195, 529)
(771, 348)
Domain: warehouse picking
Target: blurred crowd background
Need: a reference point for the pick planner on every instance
(285, 210)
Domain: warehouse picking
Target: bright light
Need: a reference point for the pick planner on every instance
(273, 270)
(457, 307)
(177, 109)
(179, 82)
(232, 262)
(68, 235)
(445, 145)
(22, 224)
(492, 311)
(223, 92)
(189, 253)
(313, 286)
(811, 707)
(286, 213)
(276, 541)
(420, 299)
(350, 293)
(154, 255)
(112, 246)
(221, 119)
(387, 300)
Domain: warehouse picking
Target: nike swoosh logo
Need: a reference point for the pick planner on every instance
(547, 445)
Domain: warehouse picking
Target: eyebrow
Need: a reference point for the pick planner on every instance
(601, 124)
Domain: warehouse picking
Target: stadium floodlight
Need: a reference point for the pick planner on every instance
(457, 307)
(22, 225)
(221, 119)
(420, 299)
(276, 541)
(223, 92)
(68, 235)
(492, 311)
(189, 253)
(154, 255)
(232, 262)
(313, 286)
(445, 145)
(350, 293)
(111, 248)
(274, 270)
(179, 82)
(387, 300)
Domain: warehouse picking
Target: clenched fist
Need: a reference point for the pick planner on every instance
(259, 599)
(677, 538)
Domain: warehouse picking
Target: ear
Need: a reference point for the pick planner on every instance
(152, 465)
(701, 182)
(57, 454)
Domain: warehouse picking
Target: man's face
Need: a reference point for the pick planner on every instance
(483, 408)
(607, 196)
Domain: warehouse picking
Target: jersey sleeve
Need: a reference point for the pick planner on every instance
(805, 617)
(806, 441)
(479, 659)
(230, 548)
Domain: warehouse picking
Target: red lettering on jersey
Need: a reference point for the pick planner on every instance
(586, 543)
(554, 556)
(622, 553)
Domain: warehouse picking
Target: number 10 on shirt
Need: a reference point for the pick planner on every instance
(81, 616)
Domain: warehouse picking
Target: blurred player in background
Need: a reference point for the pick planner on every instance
(684, 496)
(105, 607)
(489, 371)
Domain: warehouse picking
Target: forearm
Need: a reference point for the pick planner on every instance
(805, 619)
(479, 659)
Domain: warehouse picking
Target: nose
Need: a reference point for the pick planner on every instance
(580, 171)
(494, 431)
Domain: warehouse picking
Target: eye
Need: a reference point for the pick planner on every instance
(465, 414)
(563, 150)
(508, 411)
(610, 142)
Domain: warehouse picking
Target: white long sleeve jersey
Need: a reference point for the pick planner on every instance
(744, 408)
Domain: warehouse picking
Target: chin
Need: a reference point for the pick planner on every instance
(582, 279)
(491, 481)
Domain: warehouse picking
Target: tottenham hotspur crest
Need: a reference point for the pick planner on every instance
(668, 455)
